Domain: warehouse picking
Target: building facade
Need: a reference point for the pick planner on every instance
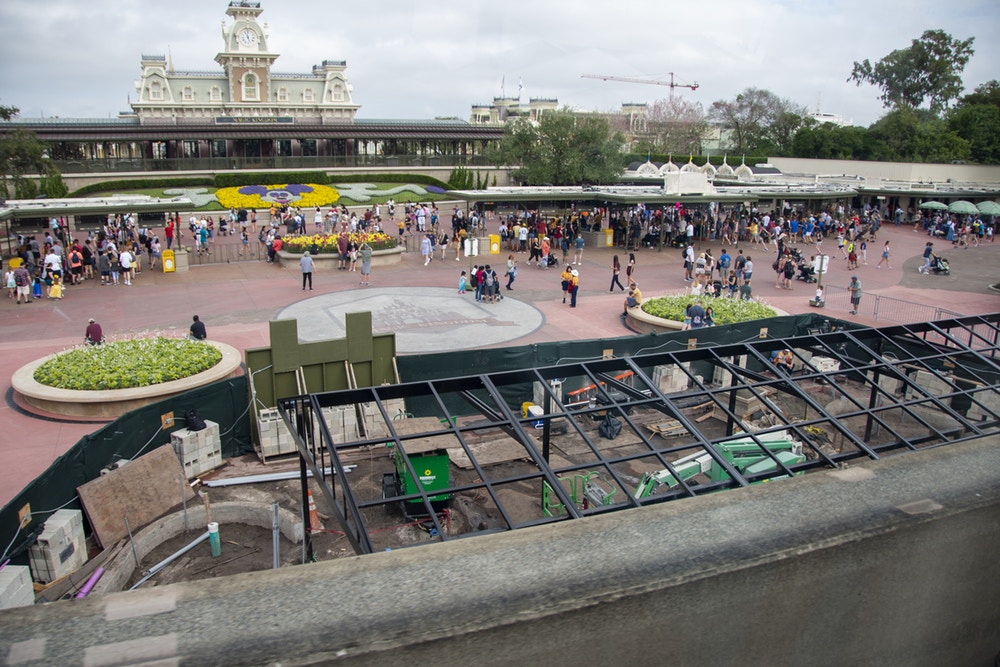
(246, 115)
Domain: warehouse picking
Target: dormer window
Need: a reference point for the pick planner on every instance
(250, 87)
(337, 94)
(188, 94)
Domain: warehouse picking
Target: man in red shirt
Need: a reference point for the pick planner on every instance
(168, 232)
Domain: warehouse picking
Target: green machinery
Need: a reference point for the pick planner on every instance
(433, 476)
(743, 453)
(586, 489)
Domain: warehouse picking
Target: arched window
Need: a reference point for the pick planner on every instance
(307, 95)
(156, 91)
(188, 94)
(337, 94)
(250, 90)
(282, 94)
(216, 94)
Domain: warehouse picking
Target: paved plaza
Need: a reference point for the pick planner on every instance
(421, 304)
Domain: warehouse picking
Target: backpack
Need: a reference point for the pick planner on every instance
(684, 254)
(489, 278)
(610, 426)
(724, 261)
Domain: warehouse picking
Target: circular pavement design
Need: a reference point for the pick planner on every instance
(425, 319)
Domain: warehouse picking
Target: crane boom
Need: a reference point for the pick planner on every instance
(671, 83)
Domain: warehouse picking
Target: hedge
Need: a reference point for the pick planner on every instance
(236, 179)
(161, 183)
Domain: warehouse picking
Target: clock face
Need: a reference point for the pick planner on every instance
(248, 37)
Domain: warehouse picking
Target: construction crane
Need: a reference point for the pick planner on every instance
(671, 83)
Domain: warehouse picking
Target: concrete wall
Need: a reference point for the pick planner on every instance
(895, 171)
(891, 562)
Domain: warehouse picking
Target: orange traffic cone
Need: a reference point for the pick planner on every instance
(314, 522)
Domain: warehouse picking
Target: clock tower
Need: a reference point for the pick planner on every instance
(245, 57)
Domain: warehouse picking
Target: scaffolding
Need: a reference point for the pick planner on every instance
(514, 438)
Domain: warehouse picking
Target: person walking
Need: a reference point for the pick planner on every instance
(578, 244)
(630, 268)
(855, 288)
(426, 249)
(928, 258)
(885, 257)
(306, 265)
(511, 271)
(616, 268)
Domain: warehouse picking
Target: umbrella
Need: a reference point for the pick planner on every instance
(988, 208)
(963, 207)
(934, 206)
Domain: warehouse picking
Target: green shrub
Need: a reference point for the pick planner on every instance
(142, 184)
(139, 362)
(420, 179)
(235, 179)
(725, 311)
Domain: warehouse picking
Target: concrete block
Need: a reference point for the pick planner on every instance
(15, 587)
(61, 548)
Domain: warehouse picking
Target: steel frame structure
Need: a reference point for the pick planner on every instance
(877, 392)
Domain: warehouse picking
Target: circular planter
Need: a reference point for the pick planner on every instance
(108, 404)
(330, 260)
(642, 322)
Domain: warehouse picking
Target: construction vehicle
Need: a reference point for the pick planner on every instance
(433, 475)
(744, 454)
(586, 490)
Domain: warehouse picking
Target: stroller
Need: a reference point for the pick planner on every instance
(940, 266)
(806, 273)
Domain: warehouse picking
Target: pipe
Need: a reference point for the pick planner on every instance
(90, 583)
(170, 559)
(267, 477)
(276, 537)
(213, 539)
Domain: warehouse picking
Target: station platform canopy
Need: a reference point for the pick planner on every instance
(47, 208)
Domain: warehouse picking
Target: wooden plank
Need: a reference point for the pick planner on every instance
(142, 490)
(419, 425)
(489, 452)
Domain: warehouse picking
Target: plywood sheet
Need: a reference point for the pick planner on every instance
(490, 452)
(142, 490)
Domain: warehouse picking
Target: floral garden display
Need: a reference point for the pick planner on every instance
(725, 311)
(124, 364)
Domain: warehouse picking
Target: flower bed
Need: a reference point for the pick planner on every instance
(124, 364)
(107, 404)
(305, 195)
(327, 243)
(666, 313)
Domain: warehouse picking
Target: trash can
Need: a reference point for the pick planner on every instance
(609, 237)
(494, 244)
(169, 264)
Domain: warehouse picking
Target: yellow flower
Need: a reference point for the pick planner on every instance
(306, 195)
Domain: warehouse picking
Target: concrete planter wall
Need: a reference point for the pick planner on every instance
(328, 261)
(108, 404)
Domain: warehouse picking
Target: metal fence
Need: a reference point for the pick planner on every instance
(886, 308)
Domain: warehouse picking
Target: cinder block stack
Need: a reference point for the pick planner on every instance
(342, 421)
(61, 548)
(275, 438)
(15, 587)
(198, 451)
(671, 379)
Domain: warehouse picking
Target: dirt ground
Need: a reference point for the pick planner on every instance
(246, 548)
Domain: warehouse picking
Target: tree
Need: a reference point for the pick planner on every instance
(829, 142)
(976, 119)
(563, 148)
(673, 126)
(914, 135)
(21, 153)
(760, 121)
(930, 70)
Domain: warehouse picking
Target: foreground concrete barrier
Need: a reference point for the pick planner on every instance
(890, 562)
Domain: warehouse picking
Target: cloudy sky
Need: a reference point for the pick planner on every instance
(424, 59)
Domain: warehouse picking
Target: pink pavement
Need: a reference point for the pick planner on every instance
(237, 300)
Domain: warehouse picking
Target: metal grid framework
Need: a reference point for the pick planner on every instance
(861, 393)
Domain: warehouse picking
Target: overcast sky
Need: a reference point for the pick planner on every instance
(410, 59)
